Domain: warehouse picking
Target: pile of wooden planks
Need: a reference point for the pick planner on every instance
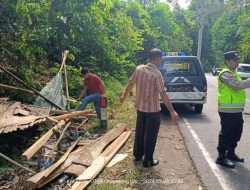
(81, 161)
(80, 157)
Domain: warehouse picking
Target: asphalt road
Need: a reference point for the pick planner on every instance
(201, 136)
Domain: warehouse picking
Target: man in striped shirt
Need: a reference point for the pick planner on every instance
(149, 87)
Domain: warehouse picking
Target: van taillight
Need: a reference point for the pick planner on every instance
(205, 88)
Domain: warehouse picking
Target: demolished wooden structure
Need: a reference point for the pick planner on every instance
(76, 162)
(16, 116)
(31, 151)
(100, 162)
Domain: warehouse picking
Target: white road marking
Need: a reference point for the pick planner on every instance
(218, 174)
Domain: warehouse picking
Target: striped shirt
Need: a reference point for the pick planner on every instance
(149, 85)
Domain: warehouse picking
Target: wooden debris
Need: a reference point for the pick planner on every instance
(52, 119)
(83, 124)
(36, 179)
(83, 156)
(100, 162)
(30, 152)
(74, 114)
(118, 158)
(15, 117)
(4, 99)
(86, 154)
(21, 112)
(16, 88)
(16, 163)
(62, 135)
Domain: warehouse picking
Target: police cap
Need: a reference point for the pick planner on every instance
(232, 55)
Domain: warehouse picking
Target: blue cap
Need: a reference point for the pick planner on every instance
(232, 55)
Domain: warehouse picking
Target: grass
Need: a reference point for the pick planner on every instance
(124, 175)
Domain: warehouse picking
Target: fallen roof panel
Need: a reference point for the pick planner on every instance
(16, 116)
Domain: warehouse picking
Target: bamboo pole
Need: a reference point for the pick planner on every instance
(62, 135)
(16, 163)
(66, 76)
(16, 88)
(29, 87)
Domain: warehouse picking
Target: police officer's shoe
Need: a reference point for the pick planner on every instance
(225, 162)
(150, 163)
(234, 158)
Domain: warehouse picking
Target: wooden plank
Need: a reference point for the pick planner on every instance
(29, 153)
(37, 179)
(99, 146)
(81, 157)
(21, 112)
(74, 114)
(97, 166)
(62, 135)
(86, 154)
(53, 176)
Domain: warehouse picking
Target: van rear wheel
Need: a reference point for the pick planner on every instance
(198, 108)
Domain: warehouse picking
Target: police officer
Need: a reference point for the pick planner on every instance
(231, 102)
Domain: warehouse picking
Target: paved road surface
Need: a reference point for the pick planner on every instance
(201, 136)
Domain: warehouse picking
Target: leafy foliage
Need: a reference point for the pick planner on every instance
(111, 36)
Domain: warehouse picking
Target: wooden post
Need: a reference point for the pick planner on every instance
(63, 66)
(66, 78)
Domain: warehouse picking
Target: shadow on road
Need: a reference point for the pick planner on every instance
(187, 111)
(238, 177)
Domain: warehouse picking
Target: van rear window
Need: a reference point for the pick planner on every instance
(178, 68)
(244, 69)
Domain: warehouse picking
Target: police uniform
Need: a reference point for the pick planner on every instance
(231, 102)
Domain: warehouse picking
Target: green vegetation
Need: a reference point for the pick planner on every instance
(231, 31)
(226, 25)
(111, 36)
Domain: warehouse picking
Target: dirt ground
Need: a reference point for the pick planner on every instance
(176, 168)
(175, 171)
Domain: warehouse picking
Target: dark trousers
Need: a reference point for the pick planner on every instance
(231, 130)
(147, 128)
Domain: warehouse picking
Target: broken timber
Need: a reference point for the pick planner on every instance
(79, 159)
(30, 152)
(45, 173)
(73, 114)
(16, 88)
(100, 162)
(16, 116)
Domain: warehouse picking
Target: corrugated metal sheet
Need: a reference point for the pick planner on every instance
(16, 116)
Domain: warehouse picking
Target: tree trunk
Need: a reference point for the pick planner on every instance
(200, 38)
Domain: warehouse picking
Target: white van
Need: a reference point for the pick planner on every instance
(185, 80)
(244, 70)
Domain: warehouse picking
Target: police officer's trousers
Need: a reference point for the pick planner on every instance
(231, 130)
